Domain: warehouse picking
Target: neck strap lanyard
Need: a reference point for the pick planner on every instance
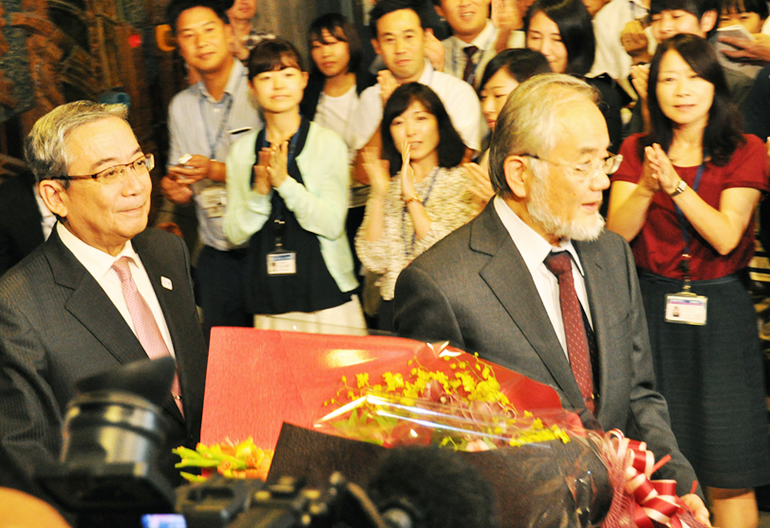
(213, 142)
(278, 204)
(683, 226)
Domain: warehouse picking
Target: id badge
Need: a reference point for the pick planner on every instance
(686, 308)
(213, 200)
(281, 262)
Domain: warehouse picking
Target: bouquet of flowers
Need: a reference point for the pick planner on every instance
(461, 406)
(350, 397)
(239, 461)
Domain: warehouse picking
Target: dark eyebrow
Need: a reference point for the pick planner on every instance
(110, 160)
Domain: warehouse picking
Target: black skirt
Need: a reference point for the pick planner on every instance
(713, 379)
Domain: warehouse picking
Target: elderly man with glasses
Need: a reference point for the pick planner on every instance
(102, 291)
(535, 284)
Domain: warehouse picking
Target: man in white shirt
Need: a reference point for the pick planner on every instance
(400, 38)
(204, 120)
(65, 312)
(488, 287)
(611, 56)
(475, 37)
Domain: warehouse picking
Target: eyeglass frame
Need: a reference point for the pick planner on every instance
(98, 176)
(615, 161)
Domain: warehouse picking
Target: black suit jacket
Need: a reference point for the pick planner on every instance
(474, 289)
(57, 325)
(21, 230)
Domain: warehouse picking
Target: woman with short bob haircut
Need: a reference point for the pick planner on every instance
(419, 194)
(287, 197)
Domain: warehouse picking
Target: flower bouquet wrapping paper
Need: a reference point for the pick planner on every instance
(334, 403)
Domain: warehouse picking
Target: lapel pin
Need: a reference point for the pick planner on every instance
(166, 283)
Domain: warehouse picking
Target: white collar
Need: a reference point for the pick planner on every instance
(533, 247)
(236, 73)
(483, 40)
(96, 261)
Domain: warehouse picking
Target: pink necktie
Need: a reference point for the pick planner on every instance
(560, 264)
(144, 322)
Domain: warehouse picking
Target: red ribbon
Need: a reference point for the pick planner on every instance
(655, 501)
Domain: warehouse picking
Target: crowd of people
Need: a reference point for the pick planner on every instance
(422, 194)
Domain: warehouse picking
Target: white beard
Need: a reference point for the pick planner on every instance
(541, 212)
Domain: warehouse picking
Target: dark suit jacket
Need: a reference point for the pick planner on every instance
(474, 289)
(20, 221)
(57, 325)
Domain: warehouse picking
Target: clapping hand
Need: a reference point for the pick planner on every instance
(261, 179)
(434, 50)
(757, 50)
(378, 172)
(660, 168)
(506, 15)
(478, 182)
(388, 85)
(640, 76)
(407, 174)
(277, 168)
(635, 41)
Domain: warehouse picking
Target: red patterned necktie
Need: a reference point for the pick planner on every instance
(146, 326)
(560, 264)
(469, 70)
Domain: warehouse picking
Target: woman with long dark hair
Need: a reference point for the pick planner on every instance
(562, 30)
(337, 78)
(418, 195)
(684, 197)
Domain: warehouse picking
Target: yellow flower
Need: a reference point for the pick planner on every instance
(362, 380)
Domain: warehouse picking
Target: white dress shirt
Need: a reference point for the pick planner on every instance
(99, 265)
(534, 249)
(458, 97)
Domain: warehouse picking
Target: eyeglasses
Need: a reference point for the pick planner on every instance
(607, 165)
(116, 173)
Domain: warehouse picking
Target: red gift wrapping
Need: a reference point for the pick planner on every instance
(258, 379)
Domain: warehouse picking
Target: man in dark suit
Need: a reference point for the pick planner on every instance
(21, 224)
(66, 312)
(486, 287)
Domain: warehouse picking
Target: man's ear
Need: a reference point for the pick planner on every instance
(709, 20)
(439, 10)
(53, 194)
(376, 46)
(517, 173)
(305, 77)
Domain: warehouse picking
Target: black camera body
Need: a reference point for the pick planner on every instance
(282, 503)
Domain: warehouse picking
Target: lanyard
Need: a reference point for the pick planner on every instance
(213, 142)
(278, 204)
(683, 226)
(410, 249)
(222, 124)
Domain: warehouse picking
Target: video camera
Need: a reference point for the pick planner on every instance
(115, 435)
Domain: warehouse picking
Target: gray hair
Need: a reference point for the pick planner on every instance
(526, 125)
(45, 148)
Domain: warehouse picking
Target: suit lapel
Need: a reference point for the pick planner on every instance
(508, 277)
(90, 304)
(600, 300)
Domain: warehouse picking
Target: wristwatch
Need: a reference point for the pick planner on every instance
(680, 188)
